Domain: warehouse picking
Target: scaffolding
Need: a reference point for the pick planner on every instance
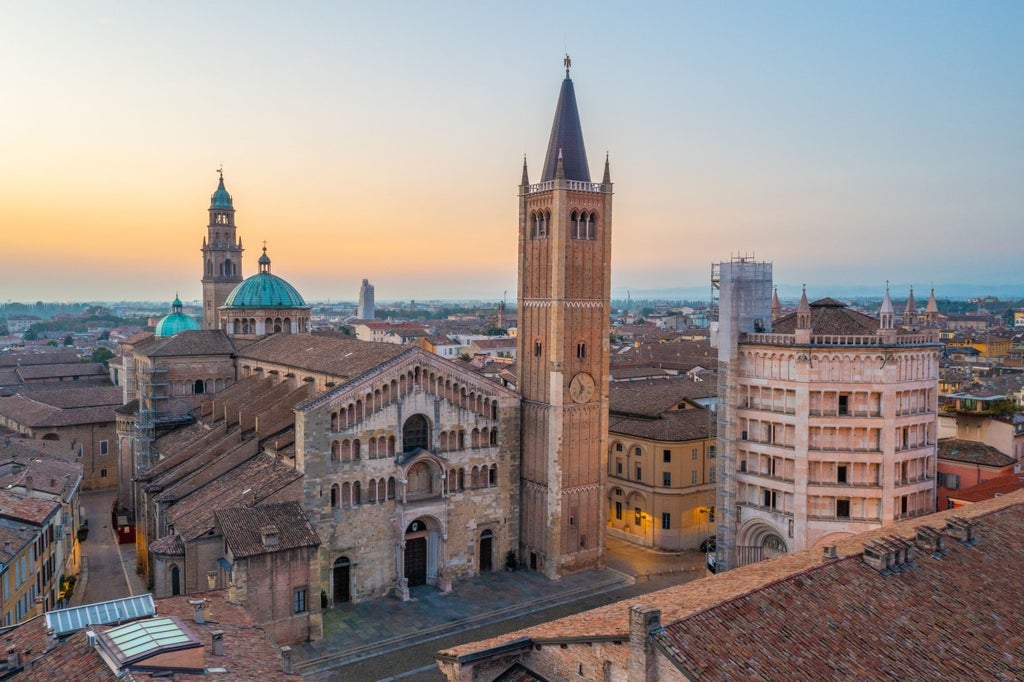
(741, 297)
(154, 401)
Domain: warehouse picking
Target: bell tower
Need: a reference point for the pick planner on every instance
(565, 224)
(222, 255)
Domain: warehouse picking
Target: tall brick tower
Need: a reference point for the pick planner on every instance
(222, 255)
(565, 229)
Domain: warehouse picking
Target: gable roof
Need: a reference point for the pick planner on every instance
(972, 452)
(243, 528)
(797, 617)
(336, 355)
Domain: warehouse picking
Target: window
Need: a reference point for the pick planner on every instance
(104, 447)
(770, 498)
(693, 477)
(103, 472)
(951, 481)
(618, 466)
(538, 349)
(743, 465)
(666, 456)
(618, 447)
(841, 473)
(638, 474)
(711, 452)
(618, 517)
(693, 454)
(638, 517)
(842, 509)
(711, 475)
(666, 478)
(415, 434)
(581, 350)
(666, 521)
(844, 404)
(637, 451)
(492, 476)
(300, 600)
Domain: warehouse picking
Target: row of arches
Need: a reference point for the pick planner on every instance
(275, 325)
(388, 393)
(226, 269)
(423, 481)
(198, 386)
(347, 450)
(582, 224)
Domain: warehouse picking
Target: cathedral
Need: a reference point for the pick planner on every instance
(301, 470)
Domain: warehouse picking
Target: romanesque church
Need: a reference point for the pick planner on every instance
(300, 470)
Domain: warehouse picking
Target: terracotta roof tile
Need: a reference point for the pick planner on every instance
(972, 452)
(243, 528)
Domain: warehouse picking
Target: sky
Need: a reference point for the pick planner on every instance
(848, 143)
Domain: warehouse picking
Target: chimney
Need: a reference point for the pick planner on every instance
(286, 660)
(270, 537)
(53, 483)
(51, 639)
(643, 664)
(28, 483)
(218, 642)
(37, 608)
(13, 659)
(932, 541)
(962, 529)
(877, 556)
(7, 547)
(198, 610)
(829, 552)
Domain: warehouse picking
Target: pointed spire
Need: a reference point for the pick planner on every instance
(933, 306)
(776, 305)
(526, 176)
(803, 311)
(910, 312)
(886, 312)
(560, 168)
(607, 179)
(567, 137)
(220, 197)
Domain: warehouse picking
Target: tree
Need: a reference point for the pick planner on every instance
(104, 335)
(69, 340)
(102, 354)
(31, 335)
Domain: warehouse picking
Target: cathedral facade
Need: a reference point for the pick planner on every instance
(410, 469)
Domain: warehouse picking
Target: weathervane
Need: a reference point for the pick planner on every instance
(220, 169)
(568, 62)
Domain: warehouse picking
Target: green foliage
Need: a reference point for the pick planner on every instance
(496, 331)
(465, 357)
(101, 354)
(69, 340)
(53, 343)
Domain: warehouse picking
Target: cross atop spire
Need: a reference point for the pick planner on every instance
(568, 62)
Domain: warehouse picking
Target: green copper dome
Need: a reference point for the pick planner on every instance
(221, 198)
(264, 290)
(176, 322)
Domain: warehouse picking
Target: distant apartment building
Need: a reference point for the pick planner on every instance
(367, 309)
(827, 420)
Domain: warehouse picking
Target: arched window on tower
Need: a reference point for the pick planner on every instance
(533, 225)
(592, 227)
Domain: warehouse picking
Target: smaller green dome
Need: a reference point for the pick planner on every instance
(174, 323)
(221, 198)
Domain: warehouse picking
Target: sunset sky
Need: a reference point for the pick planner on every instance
(849, 143)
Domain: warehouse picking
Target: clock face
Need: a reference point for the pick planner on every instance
(581, 388)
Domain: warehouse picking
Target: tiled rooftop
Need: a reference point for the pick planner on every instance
(243, 528)
(972, 452)
(799, 617)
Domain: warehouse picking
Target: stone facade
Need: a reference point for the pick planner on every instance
(827, 427)
(411, 476)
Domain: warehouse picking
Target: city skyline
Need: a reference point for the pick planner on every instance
(848, 145)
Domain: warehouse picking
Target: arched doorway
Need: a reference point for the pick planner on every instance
(341, 577)
(175, 581)
(416, 553)
(486, 560)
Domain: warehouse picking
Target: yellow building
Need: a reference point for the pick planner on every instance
(661, 466)
(30, 567)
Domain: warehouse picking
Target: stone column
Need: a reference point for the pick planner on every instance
(643, 621)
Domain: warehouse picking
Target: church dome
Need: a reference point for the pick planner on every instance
(264, 290)
(176, 322)
(221, 198)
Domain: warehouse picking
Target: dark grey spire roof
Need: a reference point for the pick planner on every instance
(566, 135)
